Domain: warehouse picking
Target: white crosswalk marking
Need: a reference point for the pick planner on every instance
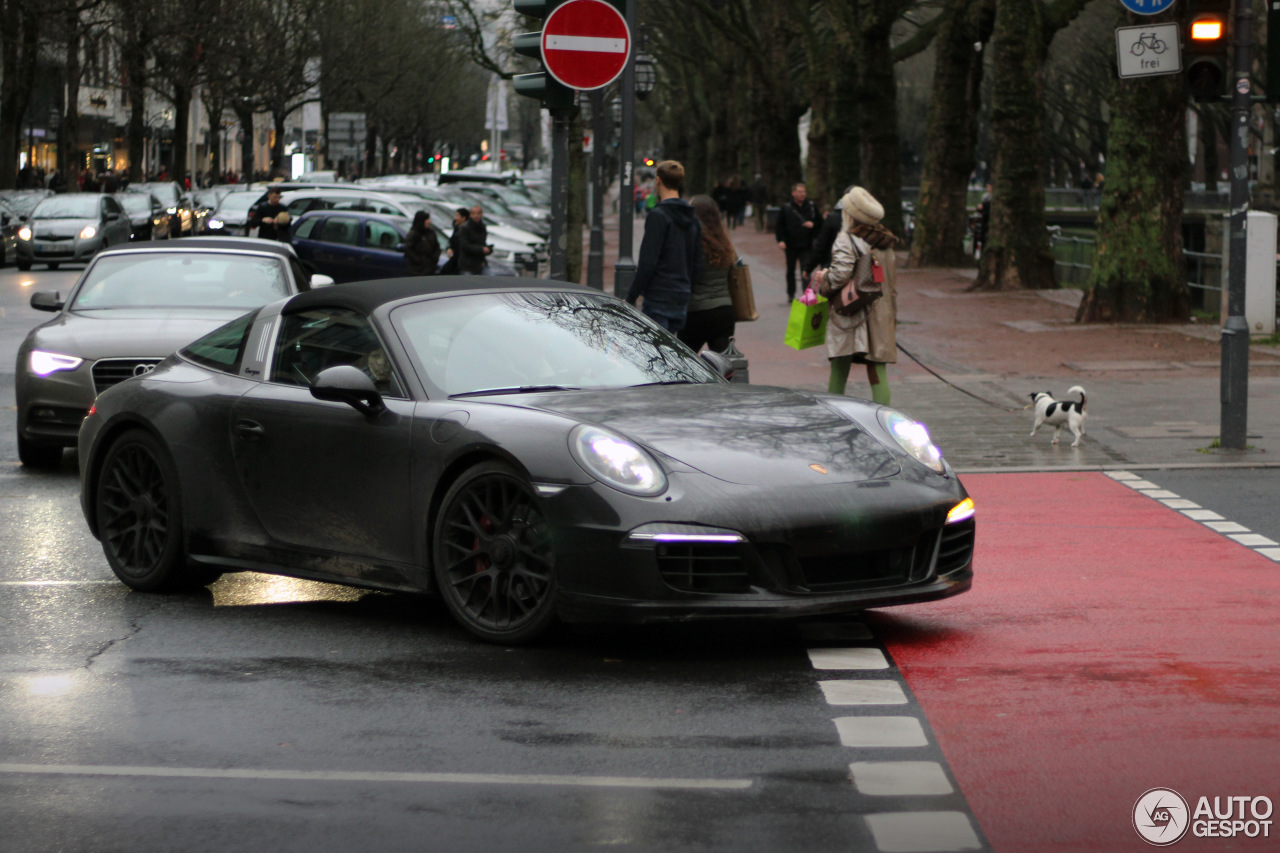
(854, 658)
(922, 832)
(900, 778)
(881, 731)
(863, 692)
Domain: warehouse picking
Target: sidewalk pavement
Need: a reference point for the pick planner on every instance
(1153, 390)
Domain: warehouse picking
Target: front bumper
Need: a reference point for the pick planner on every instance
(803, 551)
(51, 408)
(70, 250)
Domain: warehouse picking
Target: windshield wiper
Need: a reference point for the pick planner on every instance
(522, 389)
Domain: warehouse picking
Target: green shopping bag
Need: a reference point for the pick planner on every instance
(807, 325)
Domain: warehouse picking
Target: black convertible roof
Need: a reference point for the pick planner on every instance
(365, 296)
(244, 244)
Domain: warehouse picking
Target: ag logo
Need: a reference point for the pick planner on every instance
(1161, 816)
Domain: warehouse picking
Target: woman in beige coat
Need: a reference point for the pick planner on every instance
(870, 336)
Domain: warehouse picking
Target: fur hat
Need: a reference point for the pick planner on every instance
(862, 207)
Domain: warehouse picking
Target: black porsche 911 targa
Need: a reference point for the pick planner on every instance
(527, 450)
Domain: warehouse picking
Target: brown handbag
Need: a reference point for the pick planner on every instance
(864, 287)
(740, 292)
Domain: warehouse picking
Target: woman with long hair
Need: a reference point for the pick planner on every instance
(869, 336)
(710, 319)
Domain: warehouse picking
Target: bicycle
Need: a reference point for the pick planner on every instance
(1148, 41)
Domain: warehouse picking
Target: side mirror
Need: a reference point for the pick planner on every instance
(112, 216)
(46, 300)
(4, 218)
(347, 384)
(321, 280)
(719, 363)
(400, 247)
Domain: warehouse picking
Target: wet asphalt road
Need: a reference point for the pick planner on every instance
(262, 713)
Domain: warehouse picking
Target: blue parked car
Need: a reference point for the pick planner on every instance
(349, 245)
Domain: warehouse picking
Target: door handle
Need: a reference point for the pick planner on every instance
(250, 430)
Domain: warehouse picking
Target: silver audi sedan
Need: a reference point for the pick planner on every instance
(71, 228)
(132, 307)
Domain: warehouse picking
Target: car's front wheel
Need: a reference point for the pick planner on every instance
(23, 266)
(492, 555)
(139, 513)
(52, 266)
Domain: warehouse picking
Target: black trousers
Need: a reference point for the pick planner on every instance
(795, 257)
(712, 327)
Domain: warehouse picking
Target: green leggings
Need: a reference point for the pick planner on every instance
(876, 375)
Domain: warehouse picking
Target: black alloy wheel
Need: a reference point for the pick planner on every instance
(493, 558)
(139, 513)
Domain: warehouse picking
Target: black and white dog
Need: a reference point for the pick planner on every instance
(1059, 414)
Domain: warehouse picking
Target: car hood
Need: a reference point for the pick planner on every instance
(751, 435)
(130, 332)
(60, 227)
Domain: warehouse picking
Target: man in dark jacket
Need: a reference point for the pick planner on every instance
(263, 217)
(450, 267)
(670, 252)
(473, 243)
(797, 221)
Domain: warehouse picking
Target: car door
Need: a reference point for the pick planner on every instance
(337, 248)
(115, 222)
(383, 250)
(321, 476)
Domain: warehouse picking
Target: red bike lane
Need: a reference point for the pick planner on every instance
(1110, 645)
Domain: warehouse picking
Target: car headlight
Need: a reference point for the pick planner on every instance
(24, 233)
(216, 223)
(43, 363)
(617, 462)
(962, 511)
(913, 437)
(171, 211)
(88, 232)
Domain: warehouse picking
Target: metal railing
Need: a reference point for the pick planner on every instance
(1072, 258)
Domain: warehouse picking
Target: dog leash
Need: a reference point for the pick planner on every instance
(944, 381)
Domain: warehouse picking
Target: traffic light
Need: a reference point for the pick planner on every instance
(539, 84)
(1207, 48)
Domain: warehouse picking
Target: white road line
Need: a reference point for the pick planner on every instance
(57, 583)
(881, 731)
(900, 778)
(1232, 530)
(852, 658)
(922, 832)
(863, 692)
(342, 776)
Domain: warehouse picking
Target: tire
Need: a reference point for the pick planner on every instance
(34, 455)
(23, 266)
(53, 266)
(139, 512)
(492, 556)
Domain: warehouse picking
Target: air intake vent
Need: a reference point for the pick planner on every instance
(703, 568)
(956, 548)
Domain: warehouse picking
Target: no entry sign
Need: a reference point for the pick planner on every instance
(585, 44)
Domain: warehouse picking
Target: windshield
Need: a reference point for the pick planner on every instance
(536, 341)
(135, 203)
(68, 207)
(182, 280)
(237, 203)
(23, 203)
(165, 192)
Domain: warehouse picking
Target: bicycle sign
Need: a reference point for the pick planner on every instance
(1148, 41)
(1147, 51)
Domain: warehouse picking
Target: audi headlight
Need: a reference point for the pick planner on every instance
(43, 363)
(913, 438)
(24, 233)
(617, 462)
(88, 232)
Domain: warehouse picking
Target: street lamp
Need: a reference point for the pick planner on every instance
(646, 75)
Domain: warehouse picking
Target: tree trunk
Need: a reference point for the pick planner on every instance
(844, 137)
(577, 213)
(942, 211)
(244, 114)
(277, 149)
(69, 128)
(1209, 139)
(213, 108)
(1138, 272)
(881, 146)
(19, 41)
(135, 64)
(1017, 253)
(181, 131)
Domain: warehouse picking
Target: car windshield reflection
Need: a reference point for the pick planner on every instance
(182, 280)
(68, 207)
(508, 343)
